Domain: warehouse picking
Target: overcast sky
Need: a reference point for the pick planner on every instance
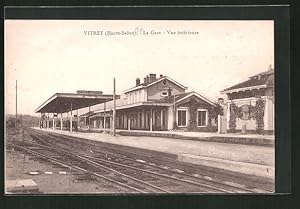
(50, 56)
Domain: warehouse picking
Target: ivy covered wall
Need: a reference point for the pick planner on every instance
(255, 112)
(193, 104)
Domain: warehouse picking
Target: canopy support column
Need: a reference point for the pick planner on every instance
(89, 117)
(47, 121)
(53, 122)
(61, 121)
(129, 123)
(40, 121)
(71, 125)
(151, 120)
(104, 120)
(77, 120)
(143, 119)
(161, 119)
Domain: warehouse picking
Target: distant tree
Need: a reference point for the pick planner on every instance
(10, 123)
(23, 120)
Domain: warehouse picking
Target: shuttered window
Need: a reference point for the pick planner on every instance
(202, 118)
(181, 117)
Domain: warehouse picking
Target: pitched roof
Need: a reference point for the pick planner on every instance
(64, 102)
(263, 80)
(146, 85)
(166, 101)
(180, 97)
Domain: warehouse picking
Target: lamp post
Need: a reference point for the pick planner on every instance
(114, 109)
(16, 104)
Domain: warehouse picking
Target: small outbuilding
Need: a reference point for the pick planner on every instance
(250, 104)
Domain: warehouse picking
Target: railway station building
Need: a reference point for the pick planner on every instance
(156, 104)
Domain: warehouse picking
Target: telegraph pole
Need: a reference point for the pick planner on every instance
(16, 104)
(174, 110)
(114, 109)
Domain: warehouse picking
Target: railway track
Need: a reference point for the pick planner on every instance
(71, 161)
(132, 181)
(159, 179)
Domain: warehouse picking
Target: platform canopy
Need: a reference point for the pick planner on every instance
(65, 102)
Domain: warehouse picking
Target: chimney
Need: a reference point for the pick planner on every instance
(137, 81)
(147, 79)
(161, 75)
(220, 100)
(152, 77)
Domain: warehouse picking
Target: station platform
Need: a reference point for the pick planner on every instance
(243, 158)
(253, 139)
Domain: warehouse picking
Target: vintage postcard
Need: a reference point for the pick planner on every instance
(139, 106)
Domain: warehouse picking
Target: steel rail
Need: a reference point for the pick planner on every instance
(164, 176)
(233, 188)
(104, 167)
(192, 178)
(55, 161)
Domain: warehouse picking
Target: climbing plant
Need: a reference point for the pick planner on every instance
(214, 112)
(175, 125)
(193, 106)
(255, 112)
(212, 115)
(234, 113)
(259, 115)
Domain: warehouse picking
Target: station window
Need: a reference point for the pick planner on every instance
(181, 117)
(202, 117)
(164, 93)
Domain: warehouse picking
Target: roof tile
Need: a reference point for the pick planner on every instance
(264, 78)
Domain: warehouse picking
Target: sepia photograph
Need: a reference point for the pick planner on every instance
(139, 107)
